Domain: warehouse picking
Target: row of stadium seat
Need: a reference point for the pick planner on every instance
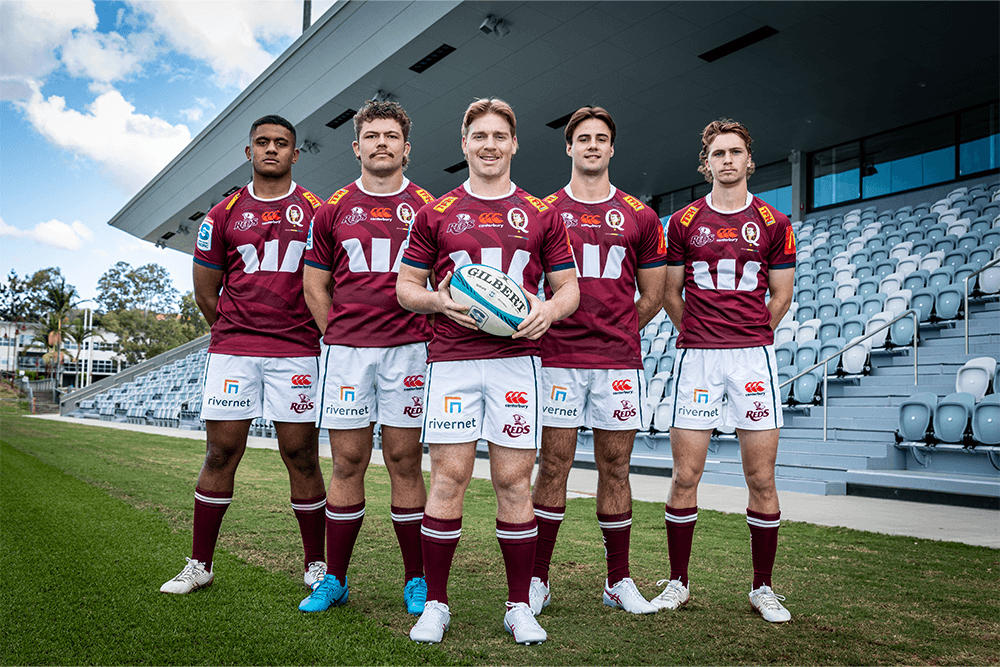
(970, 416)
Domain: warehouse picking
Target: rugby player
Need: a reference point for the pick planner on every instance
(725, 252)
(592, 361)
(373, 365)
(478, 385)
(263, 355)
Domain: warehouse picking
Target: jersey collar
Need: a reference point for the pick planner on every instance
(468, 189)
(708, 201)
(406, 184)
(287, 194)
(569, 193)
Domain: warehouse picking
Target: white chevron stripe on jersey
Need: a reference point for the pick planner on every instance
(309, 507)
(674, 518)
(517, 534)
(343, 518)
(551, 516)
(441, 534)
(615, 525)
(413, 517)
(208, 500)
(761, 523)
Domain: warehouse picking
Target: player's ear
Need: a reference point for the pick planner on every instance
(249, 152)
(569, 150)
(295, 156)
(406, 149)
(357, 149)
(514, 140)
(612, 153)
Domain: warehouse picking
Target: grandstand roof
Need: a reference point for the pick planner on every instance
(825, 73)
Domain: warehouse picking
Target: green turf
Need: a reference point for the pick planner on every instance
(95, 523)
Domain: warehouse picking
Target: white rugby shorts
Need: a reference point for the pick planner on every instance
(361, 385)
(282, 389)
(493, 399)
(747, 376)
(606, 398)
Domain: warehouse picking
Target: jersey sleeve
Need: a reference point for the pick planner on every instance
(210, 248)
(675, 244)
(421, 242)
(652, 242)
(320, 243)
(557, 253)
(782, 251)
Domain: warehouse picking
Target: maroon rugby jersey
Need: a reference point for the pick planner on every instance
(259, 243)
(360, 237)
(727, 256)
(611, 239)
(516, 233)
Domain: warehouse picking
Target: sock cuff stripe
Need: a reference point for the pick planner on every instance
(409, 517)
(615, 525)
(549, 516)
(677, 518)
(441, 534)
(508, 535)
(760, 523)
(309, 507)
(209, 500)
(344, 517)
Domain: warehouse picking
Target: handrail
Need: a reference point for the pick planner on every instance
(988, 264)
(916, 335)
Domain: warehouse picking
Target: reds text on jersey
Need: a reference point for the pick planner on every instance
(360, 237)
(611, 239)
(516, 233)
(726, 258)
(259, 244)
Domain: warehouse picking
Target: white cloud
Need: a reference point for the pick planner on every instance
(53, 233)
(195, 113)
(133, 147)
(106, 57)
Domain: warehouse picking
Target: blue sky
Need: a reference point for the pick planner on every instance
(96, 98)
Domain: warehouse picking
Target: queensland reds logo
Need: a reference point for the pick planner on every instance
(301, 380)
(518, 428)
(381, 213)
(491, 219)
(569, 220)
(754, 388)
(305, 403)
(626, 413)
(413, 381)
(463, 221)
(516, 398)
(703, 237)
(293, 214)
(590, 220)
(615, 219)
(621, 385)
(248, 221)
(405, 213)
(271, 217)
(356, 215)
(416, 409)
(518, 219)
(751, 233)
(758, 413)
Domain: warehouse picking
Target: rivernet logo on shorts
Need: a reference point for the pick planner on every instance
(230, 386)
(701, 396)
(518, 428)
(627, 412)
(305, 403)
(347, 394)
(416, 409)
(759, 412)
(452, 404)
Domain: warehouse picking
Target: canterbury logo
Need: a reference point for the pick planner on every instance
(622, 385)
(381, 212)
(727, 233)
(755, 387)
(590, 219)
(271, 216)
(301, 380)
(413, 381)
(517, 397)
(491, 218)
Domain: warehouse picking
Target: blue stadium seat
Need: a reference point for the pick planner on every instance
(949, 301)
(867, 287)
(986, 421)
(901, 332)
(951, 417)
(785, 353)
(828, 348)
(649, 367)
(861, 256)
(943, 276)
(805, 389)
(824, 276)
(805, 293)
(865, 269)
(886, 267)
(935, 232)
(851, 307)
(915, 416)
(916, 280)
(889, 226)
(805, 355)
(806, 279)
(914, 234)
(821, 261)
(873, 305)
(784, 374)
(992, 239)
(830, 328)
(946, 243)
(879, 253)
(982, 224)
(989, 280)
(925, 218)
(853, 327)
(666, 363)
(923, 302)
(967, 269)
(969, 241)
(826, 290)
(828, 307)
(956, 258)
(981, 255)
(807, 311)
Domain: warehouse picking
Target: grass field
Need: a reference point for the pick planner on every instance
(94, 520)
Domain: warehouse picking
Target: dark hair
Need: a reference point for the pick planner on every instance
(272, 119)
(586, 113)
(713, 130)
(489, 105)
(373, 109)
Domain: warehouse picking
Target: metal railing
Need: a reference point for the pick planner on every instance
(988, 265)
(910, 312)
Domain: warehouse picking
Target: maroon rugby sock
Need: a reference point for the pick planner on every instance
(680, 535)
(617, 531)
(342, 527)
(439, 539)
(517, 544)
(312, 526)
(209, 508)
(549, 519)
(406, 523)
(763, 545)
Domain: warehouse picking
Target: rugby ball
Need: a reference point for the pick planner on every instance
(495, 301)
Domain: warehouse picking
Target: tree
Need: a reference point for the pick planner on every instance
(147, 288)
(191, 316)
(30, 299)
(141, 336)
(77, 332)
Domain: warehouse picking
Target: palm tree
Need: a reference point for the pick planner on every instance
(59, 299)
(77, 332)
(49, 338)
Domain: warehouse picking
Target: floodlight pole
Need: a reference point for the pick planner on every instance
(306, 14)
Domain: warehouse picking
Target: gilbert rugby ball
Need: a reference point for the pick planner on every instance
(495, 301)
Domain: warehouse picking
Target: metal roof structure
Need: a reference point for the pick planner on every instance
(802, 75)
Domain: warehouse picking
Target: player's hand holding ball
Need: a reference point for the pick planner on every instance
(451, 308)
(495, 302)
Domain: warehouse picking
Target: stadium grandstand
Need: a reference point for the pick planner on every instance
(876, 130)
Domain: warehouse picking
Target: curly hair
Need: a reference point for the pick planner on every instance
(373, 110)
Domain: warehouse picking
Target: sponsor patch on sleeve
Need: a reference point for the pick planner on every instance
(551, 199)
(312, 199)
(765, 213)
(789, 241)
(443, 205)
(633, 202)
(232, 201)
(205, 235)
(337, 196)
(426, 196)
(537, 203)
(689, 215)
